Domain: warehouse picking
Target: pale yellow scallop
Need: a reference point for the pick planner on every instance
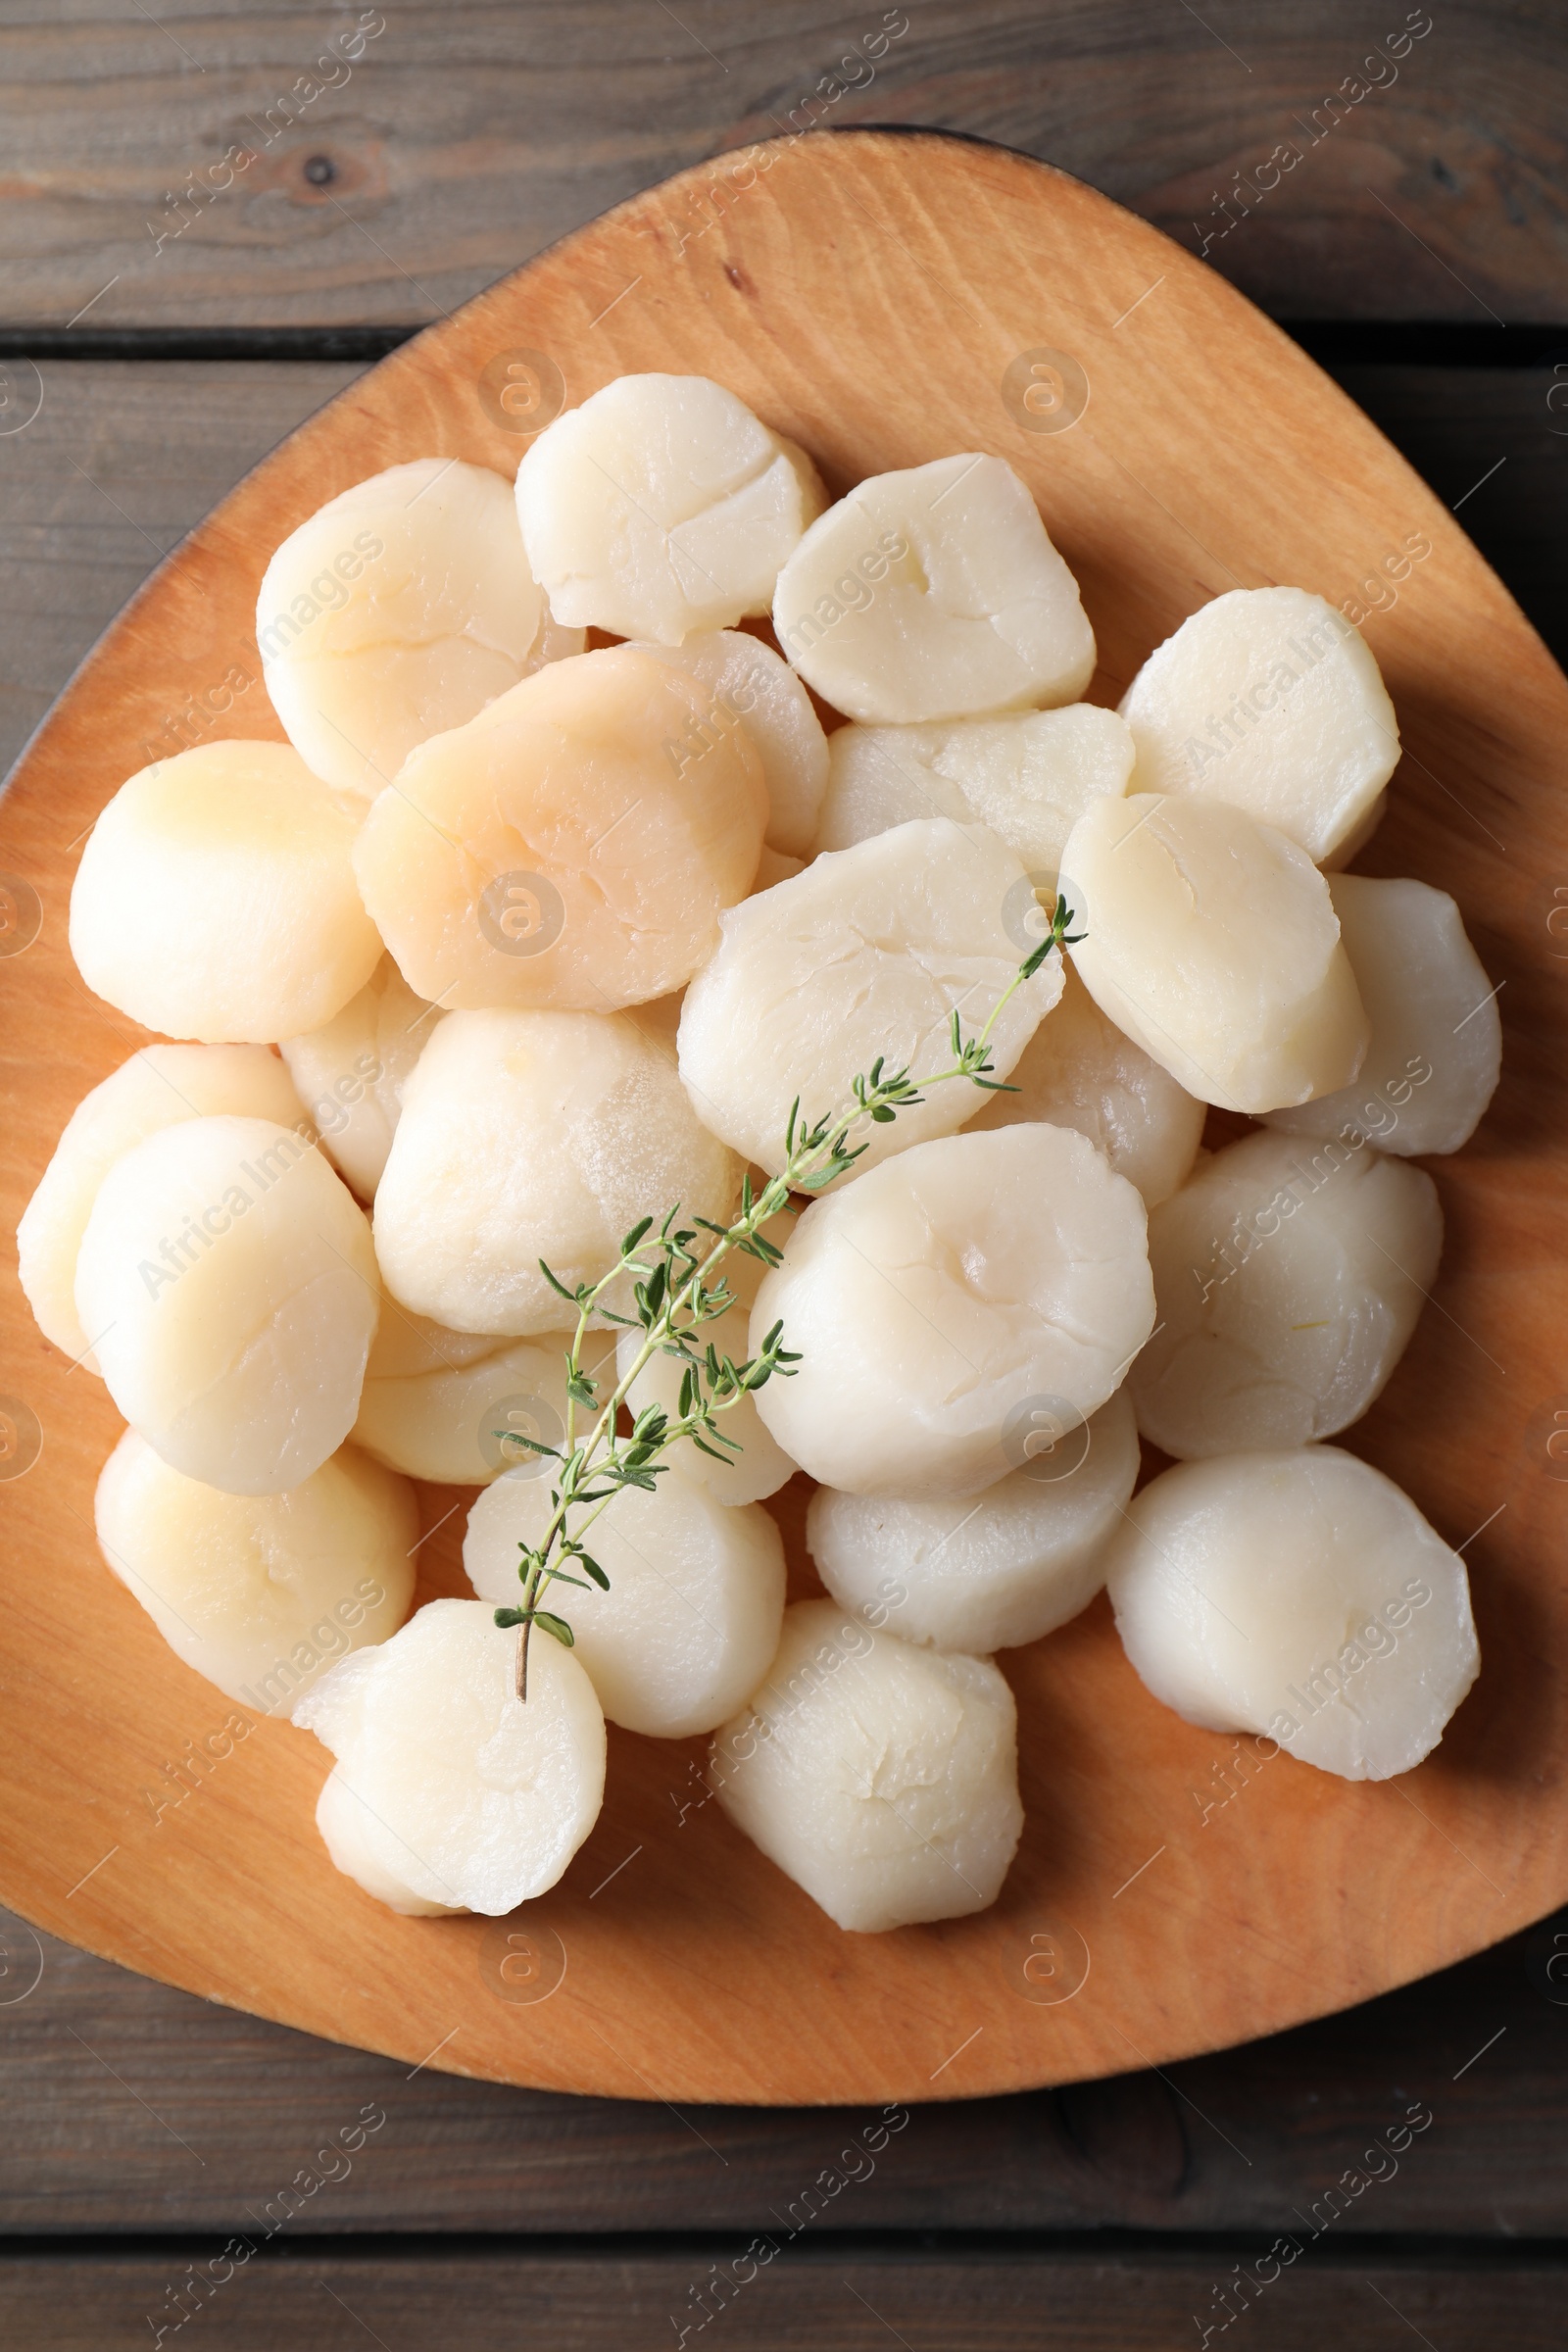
(1028, 775)
(158, 1087)
(351, 1074)
(882, 1779)
(694, 1602)
(529, 1136)
(1079, 1070)
(934, 593)
(448, 1793)
(1267, 698)
(228, 1275)
(562, 849)
(399, 609)
(457, 1407)
(1212, 941)
(662, 506)
(216, 897)
(260, 1592)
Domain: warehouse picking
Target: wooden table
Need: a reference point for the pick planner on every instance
(1419, 247)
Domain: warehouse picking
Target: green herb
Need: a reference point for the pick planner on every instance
(677, 1289)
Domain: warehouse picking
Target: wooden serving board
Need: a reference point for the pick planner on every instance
(883, 298)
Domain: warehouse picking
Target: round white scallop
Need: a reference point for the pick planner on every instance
(1029, 776)
(1269, 699)
(865, 955)
(449, 1793)
(696, 1595)
(881, 1778)
(947, 1303)
(1212, 941)
(1287, 1282)
(351, 1074)
(761, 1466)
(1079, 1070)
(993, 1572)
(260, 1592)
(934, 593)
(662, 506)
(229, 1278)
(458, 1407)
(158, 1087)
(216, 897)
(752, 687)
(573, 846)
(399, 609)
(1436, 1053)
(529, 1136)
(1300, 1595)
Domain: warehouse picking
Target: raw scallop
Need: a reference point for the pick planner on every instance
(944, 1303)
(881, 1778)
(260, 1592)
(449, 1793)
(1300, 1595)
(1011, 1565)
(1287, 1282)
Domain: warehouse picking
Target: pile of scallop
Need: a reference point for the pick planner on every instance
(512, 944)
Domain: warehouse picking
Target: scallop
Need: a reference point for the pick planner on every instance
(694, 1602)
(216, 897)
(1436, 1043)
(352, 1073)
(948, 1306)
(991, 1573)
(228, 1277)
(761, 1466)
(1268, 699)
(260, 1592)
(1212, 943)
(529, 1136)
(398, 611)
(934, 593)
(882, 1779)
(1028, 776)
(752, 687)
(865, 955)
(662, 507)
(157, 1088)
(457, 1407)
(563, 848)
(1299, 1595)
(449, 1793)
(1079, 1070)
(1287, 1282)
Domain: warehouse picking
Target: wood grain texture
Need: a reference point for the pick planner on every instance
(1212, 455)
(118, 464)
(467, 136)
(1001, 2301)
(128, 2106)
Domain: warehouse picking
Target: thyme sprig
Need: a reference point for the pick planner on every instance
(677, 1289)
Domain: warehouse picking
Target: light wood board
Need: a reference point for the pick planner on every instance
(867, 293)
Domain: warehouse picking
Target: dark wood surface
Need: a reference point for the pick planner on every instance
(139, 2128)
(467, 135)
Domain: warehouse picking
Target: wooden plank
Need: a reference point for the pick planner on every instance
(995, 2301)
(125, 2105)
(117, 464)
(464, 137)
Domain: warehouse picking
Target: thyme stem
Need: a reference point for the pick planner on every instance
(674, 1286)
